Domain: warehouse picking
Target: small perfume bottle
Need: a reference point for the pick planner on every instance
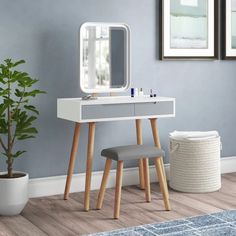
(151, 95)
(136, 92)
(141, 93)
(132, 92)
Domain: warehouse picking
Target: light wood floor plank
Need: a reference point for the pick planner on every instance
(69, 214)
(5, 231)
(44, 221)
(18, 225)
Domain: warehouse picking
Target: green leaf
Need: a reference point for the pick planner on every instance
(18, 153)
(2, 80)
(19, 93)
(31, 130)
(23, 124)
(31, 119)
(3, 126)
(18, 63)
(3, 107)
(31, 108)
(23, 137)
(9, 63)
(4, 92)
(8, 101)
(33, 93)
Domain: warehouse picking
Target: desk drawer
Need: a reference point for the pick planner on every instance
(103, 111)
(154, 108)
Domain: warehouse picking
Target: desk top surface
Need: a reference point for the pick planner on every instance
(117, 99)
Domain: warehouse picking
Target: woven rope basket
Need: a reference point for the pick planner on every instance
(195, 165)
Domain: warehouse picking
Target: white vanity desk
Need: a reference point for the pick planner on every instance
(105, 109)
(115, 108)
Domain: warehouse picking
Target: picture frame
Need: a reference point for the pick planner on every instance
(189, 29)
(229, 29)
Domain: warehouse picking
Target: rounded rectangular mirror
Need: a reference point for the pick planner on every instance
(104, 57)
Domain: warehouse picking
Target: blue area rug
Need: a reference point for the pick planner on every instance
(217, 224)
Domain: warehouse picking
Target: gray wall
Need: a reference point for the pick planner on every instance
(44, 33)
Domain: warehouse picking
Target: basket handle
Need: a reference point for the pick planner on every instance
(175, 148)
(177, 145)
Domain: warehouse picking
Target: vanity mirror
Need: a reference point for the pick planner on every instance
(104, 57)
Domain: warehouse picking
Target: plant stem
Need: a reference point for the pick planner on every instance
(9, 146)
(9, 168)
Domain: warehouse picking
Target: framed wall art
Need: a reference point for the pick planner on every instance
(189, 29)
(229, 29)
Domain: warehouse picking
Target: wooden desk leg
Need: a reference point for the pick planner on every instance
(140, 141)
(147, 180)
(89, 164)
(74, 150)
(157, 144)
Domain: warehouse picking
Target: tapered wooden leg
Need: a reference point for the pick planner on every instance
(156, 137)
(104, 183)
(89, 165)
(147, 180)
(74, 150)
(163, 183)
(119, 174)
(141, 174)
(157, 141)
(139, 142)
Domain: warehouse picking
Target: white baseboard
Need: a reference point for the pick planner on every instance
(228, 165)
(55, 185)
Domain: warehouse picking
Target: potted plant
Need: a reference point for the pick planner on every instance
(16, 123)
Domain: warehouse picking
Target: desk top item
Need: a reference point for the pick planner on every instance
(104, 57)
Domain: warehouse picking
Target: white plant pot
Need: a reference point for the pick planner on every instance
(13, 194)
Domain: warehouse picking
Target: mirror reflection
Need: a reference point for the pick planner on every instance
(104, 58)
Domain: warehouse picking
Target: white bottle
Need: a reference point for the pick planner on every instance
(136, 92)
(141, 93)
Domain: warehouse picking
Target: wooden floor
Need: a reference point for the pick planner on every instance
(54, 216)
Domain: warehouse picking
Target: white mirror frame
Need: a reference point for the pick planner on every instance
(109, 90)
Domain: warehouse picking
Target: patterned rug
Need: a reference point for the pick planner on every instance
(217, 224)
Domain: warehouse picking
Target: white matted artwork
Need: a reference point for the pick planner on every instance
(230, 29)
(188, 29)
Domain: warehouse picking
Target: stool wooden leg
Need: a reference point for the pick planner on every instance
(104, 183)
(119, 174)
(139, 142)
(147, 180)
(157, 141)
(162, 182)
(89, 165)
(141, 174)
(74, 150)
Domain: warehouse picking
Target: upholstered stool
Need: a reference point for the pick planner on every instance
(133, 152)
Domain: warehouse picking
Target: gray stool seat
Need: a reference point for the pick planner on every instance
(132, 152)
